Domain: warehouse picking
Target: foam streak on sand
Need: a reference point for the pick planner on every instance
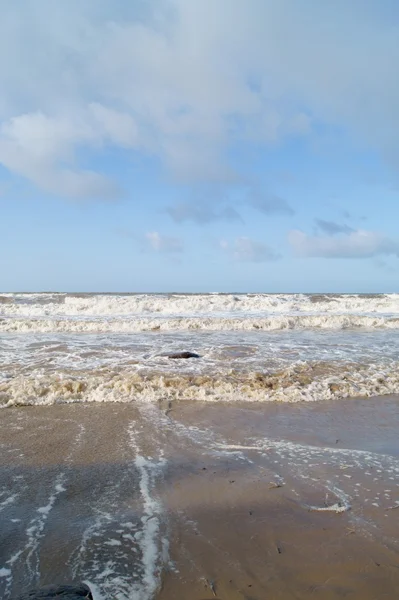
(36, 527)
(124, 528)
(29, 553)
(9, 500)
(149, 538)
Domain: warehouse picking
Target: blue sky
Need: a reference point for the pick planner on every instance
(199, 145)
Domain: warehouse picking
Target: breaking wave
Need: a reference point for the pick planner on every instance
(101, 305)
(88, 313)
(301, 382)
(112, 347)
(271, 323)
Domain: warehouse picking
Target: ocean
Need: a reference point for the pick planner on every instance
(57, 348)
(265, 465)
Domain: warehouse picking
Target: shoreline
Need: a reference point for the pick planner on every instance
(228, 501)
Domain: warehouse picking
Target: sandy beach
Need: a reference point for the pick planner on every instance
(202, 501)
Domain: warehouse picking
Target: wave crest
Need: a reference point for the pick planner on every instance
(127, 325)
(303, 382)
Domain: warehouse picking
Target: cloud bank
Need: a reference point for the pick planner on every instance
(184, 82)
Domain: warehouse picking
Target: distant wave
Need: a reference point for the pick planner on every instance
(27, 306)
(228, 323)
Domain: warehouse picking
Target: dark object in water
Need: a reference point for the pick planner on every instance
(63, 592)
(184, 355)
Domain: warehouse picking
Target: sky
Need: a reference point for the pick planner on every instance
(199, 145)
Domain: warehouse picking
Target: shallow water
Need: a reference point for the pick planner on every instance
(58, 348)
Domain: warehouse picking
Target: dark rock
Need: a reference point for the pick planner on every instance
(184, 355)
(64, 592)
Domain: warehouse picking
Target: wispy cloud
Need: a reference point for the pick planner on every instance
(164, 243)
(356, 244)
(269, 204)
(332, 228)
(248, 250)
(201, 213)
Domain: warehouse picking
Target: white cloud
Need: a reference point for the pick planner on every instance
(164, 243)
(185, 80)
(120, 128)
(43, 149)
(357, 244)
(247, 250)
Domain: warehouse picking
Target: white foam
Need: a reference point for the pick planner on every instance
(35, 531)
(197, 323)
(113, 543)
(10, 500)
(185, 304)
(297, 383)
(151, 546)
(114, 539)
(337, 508)
(128, 313)
(5, 572)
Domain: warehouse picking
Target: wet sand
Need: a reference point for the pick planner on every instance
(202, 500)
